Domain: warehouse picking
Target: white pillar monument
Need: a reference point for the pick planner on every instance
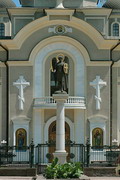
(60, 152)
(21, 84)
(98, 84)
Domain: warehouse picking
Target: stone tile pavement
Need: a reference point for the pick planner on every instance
(104, 178)
(40, 177)
(15, 178)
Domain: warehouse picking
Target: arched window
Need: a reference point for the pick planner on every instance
(21, 137)
(97, 137)
(2, 29)
(115, 29)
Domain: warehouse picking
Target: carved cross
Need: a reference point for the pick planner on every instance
(98, 84)
(21, 84)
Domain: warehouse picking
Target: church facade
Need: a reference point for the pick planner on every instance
(31, 38)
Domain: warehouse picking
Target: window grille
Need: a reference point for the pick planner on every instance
(115, 29)
(2, 29)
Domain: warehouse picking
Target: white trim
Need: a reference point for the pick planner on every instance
(100, 18)
(20, 122)
(98, 121)
(43, 22)
(47, 124)
(65, 45)
(19, 63)
(14, 22)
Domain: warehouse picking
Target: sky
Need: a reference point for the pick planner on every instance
(18, 4)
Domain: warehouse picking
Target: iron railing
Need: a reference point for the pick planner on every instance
(105, 155)
(42, 154)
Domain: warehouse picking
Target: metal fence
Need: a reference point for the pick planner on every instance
(42, 154)
(105, 155)
(76, 153)
(14, 155)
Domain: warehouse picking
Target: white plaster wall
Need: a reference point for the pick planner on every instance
(38, 126)
(118, 116)
(79, 121)
(1, 112)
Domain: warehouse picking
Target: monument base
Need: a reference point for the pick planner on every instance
(60, 92)
(61, 157)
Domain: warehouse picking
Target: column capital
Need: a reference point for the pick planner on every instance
(60, 97)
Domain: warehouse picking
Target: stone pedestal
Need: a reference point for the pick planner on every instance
(60, 152)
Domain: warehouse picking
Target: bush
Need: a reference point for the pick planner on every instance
(63, 171)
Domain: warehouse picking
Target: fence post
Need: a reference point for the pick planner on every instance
(31, 154)
(88, 152)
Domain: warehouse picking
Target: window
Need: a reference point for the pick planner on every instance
(2, 29)
(115, 29)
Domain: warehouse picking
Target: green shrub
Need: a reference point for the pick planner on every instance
(63, 171)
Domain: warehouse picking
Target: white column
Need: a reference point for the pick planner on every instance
(79, 120)
(60, 152)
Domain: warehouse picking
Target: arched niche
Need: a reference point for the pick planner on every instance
(42, 55)
(49, 80)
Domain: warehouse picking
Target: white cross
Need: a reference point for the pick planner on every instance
(21, 84)
(98, 84)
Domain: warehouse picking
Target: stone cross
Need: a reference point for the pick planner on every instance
(21, 84)
(98, 84)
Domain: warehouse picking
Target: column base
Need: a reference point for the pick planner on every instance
(61, 157)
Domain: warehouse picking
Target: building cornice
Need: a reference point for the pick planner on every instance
(43, 22)
(19, 63)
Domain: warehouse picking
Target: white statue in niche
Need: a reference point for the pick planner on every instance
(21, 84)
(98, 84)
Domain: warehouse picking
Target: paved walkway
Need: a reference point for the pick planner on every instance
(14, 178)
(39, 178)
(104, 178)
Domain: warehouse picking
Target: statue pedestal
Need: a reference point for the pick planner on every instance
(60, 152)
(61, 156)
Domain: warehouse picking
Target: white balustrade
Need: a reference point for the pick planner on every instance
(71, 101)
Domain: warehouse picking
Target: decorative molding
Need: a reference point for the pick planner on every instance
(43, 22)
(96, 11)
(19, 63)
(97, 118)
(52, 119)
(20, 120)
(59, 29)
(98, 84)
(21, 84)
(100, 63)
